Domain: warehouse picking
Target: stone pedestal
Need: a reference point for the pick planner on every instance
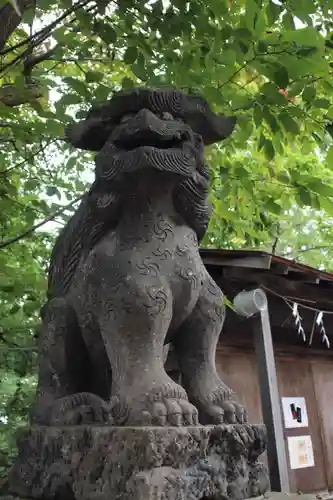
(141, 463)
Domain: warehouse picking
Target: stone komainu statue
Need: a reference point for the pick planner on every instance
(126, 275)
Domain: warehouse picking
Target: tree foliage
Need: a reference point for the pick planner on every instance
(268, 62)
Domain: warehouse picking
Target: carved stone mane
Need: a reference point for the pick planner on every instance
(100, 208)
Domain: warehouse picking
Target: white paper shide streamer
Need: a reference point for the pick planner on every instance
(298, 322)
(320, 323)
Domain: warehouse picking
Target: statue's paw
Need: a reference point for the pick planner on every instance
(217, 403)
(163, 406)
(81, 408)
(173, 412)
(226, 412)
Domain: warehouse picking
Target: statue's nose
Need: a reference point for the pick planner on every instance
(147, 128)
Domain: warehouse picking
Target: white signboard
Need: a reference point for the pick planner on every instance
(300, 452)
(294, 413)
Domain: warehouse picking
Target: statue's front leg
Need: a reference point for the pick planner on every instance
(134, 319)
(195, 344)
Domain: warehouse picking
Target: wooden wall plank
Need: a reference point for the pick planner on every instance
(323, 385)
(305, 376)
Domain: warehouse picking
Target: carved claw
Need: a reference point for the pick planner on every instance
(226, 412)
(167, 406)
(234, 413)
(218, 405)
(81, 408)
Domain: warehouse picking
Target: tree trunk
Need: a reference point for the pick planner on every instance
(10, 18)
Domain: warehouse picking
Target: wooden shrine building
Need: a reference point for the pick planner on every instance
(300, 306)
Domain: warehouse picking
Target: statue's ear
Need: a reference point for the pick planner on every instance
(218, 127)
(90, 134)
(197, 113)
(211, 126)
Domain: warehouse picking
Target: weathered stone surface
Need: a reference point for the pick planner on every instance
(126, 276)
(142, 463)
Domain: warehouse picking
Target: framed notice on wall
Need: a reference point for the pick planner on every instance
(300, 452)
(294, 413)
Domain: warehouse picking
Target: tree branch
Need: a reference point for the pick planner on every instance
(32, 60)
(46, 29)
(39, 37)
(309, 249)
(32, 229)
(26, 160)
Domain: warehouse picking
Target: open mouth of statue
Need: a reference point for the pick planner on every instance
(145, 141)
(145, 129)
(149, 140)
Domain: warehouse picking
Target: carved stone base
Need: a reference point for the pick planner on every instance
(141, 463)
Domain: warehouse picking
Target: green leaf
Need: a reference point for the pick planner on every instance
(78, 85)
(71, 163)
(309, 93)
(226, 32)
(107, 33)
(28, 16)
(304, 197)
(101, 93)
(281, 77)
(261, 142)
(52, 190)
(321, 188)
(329, 113)
(242, 33)
(244, 131)
(131, 55)
(83, 17)
(272, 93)
(327, 205)
(81, 115)
(329, 157)
(269, 150)
(288, 21)
(260, 23)
(271, 120)
(329, 129)
(273, 207)
(295, 89)
(302, 8)
(284, 178)
(55, 128)
(289, 124)
(273, 12)
(94, 76)
(308, 37)
(127, 83)
(139, 68)
(228, 303)
(321, 103)
(262, 47)
(69, 99)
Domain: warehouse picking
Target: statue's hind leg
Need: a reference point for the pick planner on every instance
(62, 396)
(196, 342)
(134, 322)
